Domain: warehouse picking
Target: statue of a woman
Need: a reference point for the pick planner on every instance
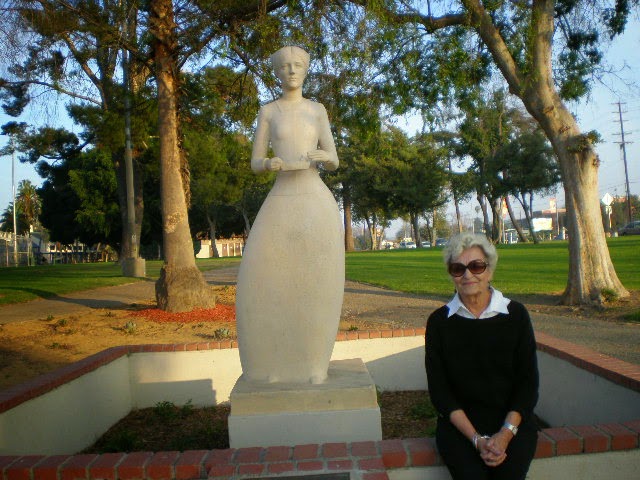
(291, 280)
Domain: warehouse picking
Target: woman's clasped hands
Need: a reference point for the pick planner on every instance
(493, 449)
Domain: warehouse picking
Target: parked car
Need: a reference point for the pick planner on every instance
(426, 244)
(441, 242)
(407, 244)
(632, 228)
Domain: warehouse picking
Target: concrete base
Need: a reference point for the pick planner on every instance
(343, 409)
(133, 267)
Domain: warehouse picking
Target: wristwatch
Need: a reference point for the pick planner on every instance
(512, 428)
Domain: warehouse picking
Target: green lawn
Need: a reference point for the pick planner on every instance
(523, 269)
(28, 283)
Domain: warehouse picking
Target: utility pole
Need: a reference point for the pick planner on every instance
(13, 192)
(624, 158)
(134, 266)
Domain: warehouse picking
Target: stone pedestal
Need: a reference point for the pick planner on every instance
(342, 409)
(134, 267)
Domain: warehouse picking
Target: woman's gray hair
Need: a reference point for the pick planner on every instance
(461, 242)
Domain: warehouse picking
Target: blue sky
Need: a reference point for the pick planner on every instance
(596, 113)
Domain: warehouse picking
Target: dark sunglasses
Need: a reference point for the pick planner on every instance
(476, 267)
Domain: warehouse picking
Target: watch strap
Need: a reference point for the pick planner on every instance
(512, 428)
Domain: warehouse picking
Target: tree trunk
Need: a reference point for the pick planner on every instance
(415, 218)
(434, 231)
(349, 245)
(181, 286)
(126, 248)
(590, 268)
(247, 223)
(496, 231)
(456, 203)
(485, 215)
(527, 214)
(212, 235)
(516, 225)
(432, 239)
(374, 232)
(458, 217)
(367, 222)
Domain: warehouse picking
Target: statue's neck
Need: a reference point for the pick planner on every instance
(292, 95)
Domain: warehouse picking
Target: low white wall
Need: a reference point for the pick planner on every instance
(572, 396)
(71, 417)
(600, 466)
(205, 377)
(394, 363)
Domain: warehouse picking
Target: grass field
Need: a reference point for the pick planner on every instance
(523, 269)
(28, 283)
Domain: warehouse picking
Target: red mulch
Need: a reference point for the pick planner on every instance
(221, 313)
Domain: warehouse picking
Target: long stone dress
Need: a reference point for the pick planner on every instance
(291, 280)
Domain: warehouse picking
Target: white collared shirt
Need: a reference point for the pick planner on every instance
(497, 304)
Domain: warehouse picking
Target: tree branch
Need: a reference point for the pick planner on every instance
(57, 89)
(542, 26)
(83, 64)
(430, 22)
(482, 23)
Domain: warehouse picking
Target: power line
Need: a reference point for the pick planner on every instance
(623, 144)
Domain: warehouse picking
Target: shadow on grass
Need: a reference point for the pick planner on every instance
(86, 298)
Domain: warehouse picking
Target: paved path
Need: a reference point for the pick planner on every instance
(365, 302)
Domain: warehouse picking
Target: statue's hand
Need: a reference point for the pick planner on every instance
(274, 164)
(319, 156)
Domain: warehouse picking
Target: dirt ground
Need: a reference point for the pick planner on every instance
(167, 427)
(33, 347)
(47, 341)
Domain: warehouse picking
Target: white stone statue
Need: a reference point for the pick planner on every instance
(291, 279)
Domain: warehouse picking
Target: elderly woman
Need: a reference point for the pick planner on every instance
(482, 370)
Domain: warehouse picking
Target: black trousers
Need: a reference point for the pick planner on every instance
(464, 462)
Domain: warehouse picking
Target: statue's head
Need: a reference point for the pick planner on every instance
(290, 53)
(290, 64)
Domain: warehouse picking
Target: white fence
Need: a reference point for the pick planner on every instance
(10, 256)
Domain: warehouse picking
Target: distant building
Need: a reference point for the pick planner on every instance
(227, 247)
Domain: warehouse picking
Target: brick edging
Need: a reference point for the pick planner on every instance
(371, 459)
(618, 371)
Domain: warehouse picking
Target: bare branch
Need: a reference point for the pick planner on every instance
(56, 88)
(430, 22)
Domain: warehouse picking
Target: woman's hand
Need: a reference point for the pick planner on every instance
(493, 449)
(273, 164)
(319, 156)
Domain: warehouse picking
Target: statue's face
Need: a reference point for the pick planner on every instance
(291, 71)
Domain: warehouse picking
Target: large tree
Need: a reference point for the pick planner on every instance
(72, 49)
(545, 50)
(181, 286)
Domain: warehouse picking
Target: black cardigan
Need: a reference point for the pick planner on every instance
(486, 367)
